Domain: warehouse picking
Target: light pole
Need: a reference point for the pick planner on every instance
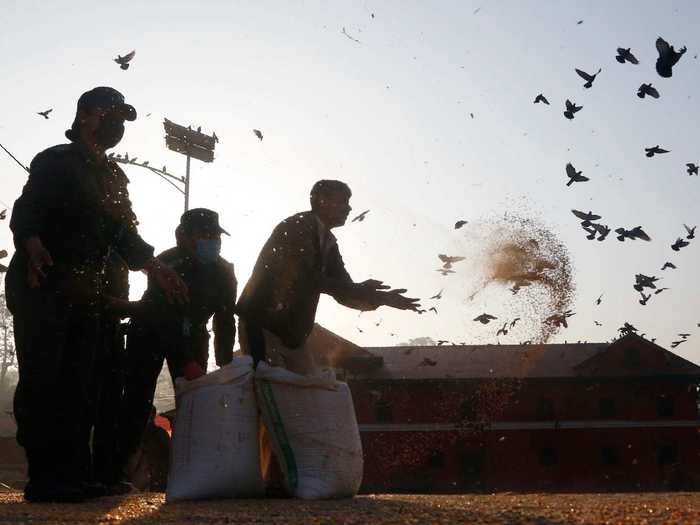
(192, 144)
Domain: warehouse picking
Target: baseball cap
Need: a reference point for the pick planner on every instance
(102, 97)
(203, 220)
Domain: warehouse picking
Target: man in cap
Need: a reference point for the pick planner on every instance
(73, 209)
(299, 262)
(178, 333)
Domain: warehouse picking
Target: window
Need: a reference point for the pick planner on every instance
(548, 457)
(632, 358)
(545, 408)
(608, 456)
(667, 454)
(383, 411)
(664, 406)
(607, 408)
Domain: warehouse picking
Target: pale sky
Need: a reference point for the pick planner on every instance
(390, 116)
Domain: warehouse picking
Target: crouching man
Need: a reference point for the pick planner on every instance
(178, 332)
(299, 262)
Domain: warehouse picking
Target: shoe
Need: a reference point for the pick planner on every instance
(53, 492)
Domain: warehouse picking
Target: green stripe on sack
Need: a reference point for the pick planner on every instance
(280, 435)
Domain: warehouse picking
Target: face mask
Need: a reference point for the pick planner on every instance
(208, 250)
(110, 131)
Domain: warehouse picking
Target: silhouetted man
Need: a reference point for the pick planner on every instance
(178, 333)
(73, 209)
(299, 262)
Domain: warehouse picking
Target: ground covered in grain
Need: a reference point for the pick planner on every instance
(541, 509)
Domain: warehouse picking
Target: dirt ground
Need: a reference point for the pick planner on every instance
(540, 509)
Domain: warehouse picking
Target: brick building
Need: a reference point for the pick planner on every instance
(609, 416)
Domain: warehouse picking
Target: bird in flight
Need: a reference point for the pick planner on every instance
(541, 98)
(674, 344)
(445, 271)
(692, 168)
(560, 319)
(45, 114)
(644, 281)
(574, 176)
(625, 55)
(644, 299)
(668, 57)
(123, 61)
(514, 321)
(485, 318)
(448, 260)
(680, 243)
(597, 323)
(459, 224)
(571, 108)
(361, 216)
(635, 233)
(599, 300)
(438, 295)
(587, 77)
(657, 292)
(691, 231)
(503, 330)
(586, 218)
(258, 133)
(668, 265)
(655, 150)
(647, 89)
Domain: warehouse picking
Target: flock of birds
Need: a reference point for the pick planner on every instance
(668, 57)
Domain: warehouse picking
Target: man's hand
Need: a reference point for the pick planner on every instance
(373, 285)
(169, 281)
(38, 257)
(396, 299)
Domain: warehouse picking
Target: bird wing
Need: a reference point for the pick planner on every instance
(583, 216)
(687, 228)
(584, 75)
(581, 178)
(570, 171)
(652, 92)
(129, 56)
(570, 105)
(662, 46)
(632, 58)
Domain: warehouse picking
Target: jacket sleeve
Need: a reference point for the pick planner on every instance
(342, 283)
(128, 243)
(224, 322)
(31, 207)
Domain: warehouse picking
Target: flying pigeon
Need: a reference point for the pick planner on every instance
(647, 89)
(438, 295)
(123, 61)
(442, 342)
(541, 98)
(433, 309)
(674, 344)
(691, 232)
(361, 216)
(650, 152)
(684, 336)
(635, 233)
(444, 271)
(3, 215)
(644, 299)
(692, 168)
(680, 243)
(668, 57)
(258, 133)
(45, 114)
(485, 318)
(514, 321)
(459, 224)
(560, 319)
(627, 328)
(625, 55)
(587, 218)
(449, 260)
(644, 281)
(574, 176)
(668, 265)
(587, 77)
(603, 231)
(597, 323)
(599, 300)
(657, 292)
(571, 108)
(503, 330)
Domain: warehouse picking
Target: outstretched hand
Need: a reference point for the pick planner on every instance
(169, 281)
(396, 299)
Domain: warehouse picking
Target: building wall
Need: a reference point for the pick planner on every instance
(456, 435)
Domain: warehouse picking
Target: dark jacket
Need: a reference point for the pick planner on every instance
(79, 208)
(283, 292)
(212, 292)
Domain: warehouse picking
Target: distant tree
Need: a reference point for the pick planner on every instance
(8, 358)
(419, 341)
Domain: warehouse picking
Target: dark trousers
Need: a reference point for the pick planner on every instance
(146, 350)
(105, 439)
(55, 401)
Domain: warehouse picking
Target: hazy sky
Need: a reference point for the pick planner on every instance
(390, 115)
